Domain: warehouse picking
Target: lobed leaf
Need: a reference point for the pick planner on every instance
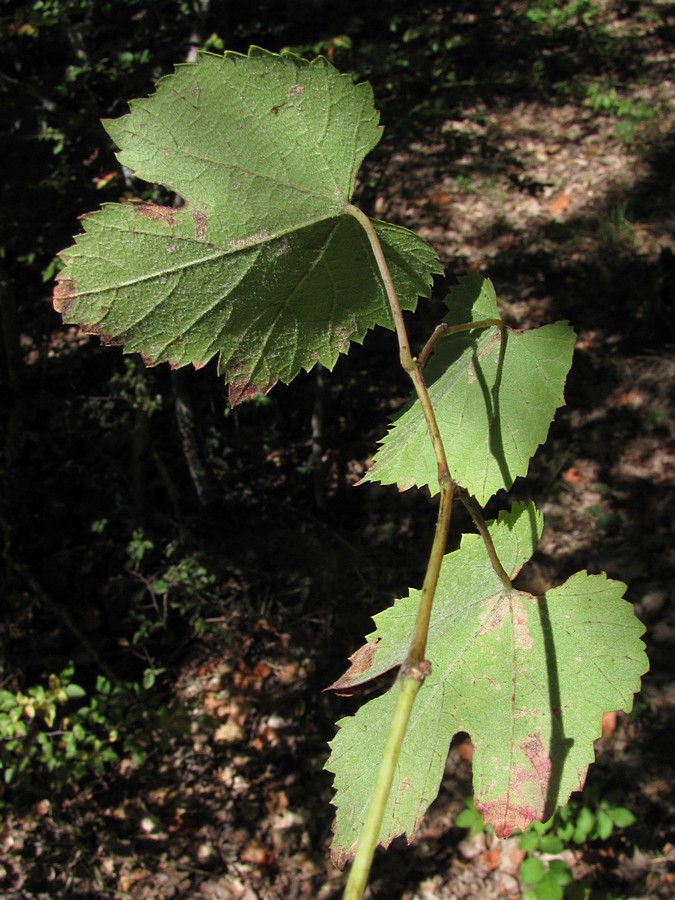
(264, 265)
(528, 678)
(494, 392)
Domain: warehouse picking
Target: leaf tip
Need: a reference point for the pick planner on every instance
(526, 798)
(244, 389)
(342, 856)
(361, 661)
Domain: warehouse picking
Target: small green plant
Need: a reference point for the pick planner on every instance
(605, 98)
(174, 590)
(552, 15)
(588, 817)
(127, 392)
(592, 817)
(56, 735)
(269, 266)
(616, 231)
(471, 819)
(548, 882)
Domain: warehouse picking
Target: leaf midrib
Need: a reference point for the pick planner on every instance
(219, 254)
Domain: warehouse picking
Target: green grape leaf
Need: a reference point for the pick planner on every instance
(528, 678)
(264, 265)
(494, 392)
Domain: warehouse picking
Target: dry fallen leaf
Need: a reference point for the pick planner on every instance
(573, 476)
(492, 858)
(257, 855)
(560, 204)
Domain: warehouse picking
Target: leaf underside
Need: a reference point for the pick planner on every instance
(528, 678)
(264, 266)
(494, 393)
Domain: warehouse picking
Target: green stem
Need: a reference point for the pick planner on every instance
(474, 510)
(444, 329)
(416, 667)
(478, 520)
(358, 874)
(407, 360)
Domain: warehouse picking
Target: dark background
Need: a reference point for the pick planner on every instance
(154, 539)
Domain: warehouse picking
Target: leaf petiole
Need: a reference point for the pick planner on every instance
(475, 512)
(444, 330)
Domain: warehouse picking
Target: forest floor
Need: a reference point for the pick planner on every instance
(571, 212)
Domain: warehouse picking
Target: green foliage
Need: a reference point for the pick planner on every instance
(589, 816)
(409, 49)
(552, 15)
(592, 817)
(471, 819)
(606, 98)
(547, 882)
(268, 266)
(603, 97)
(174, 591)
(267, 207)
(532, 716)
(57, 735)
(494, 393)
(128, 391)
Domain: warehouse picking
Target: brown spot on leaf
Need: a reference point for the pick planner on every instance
(342, 337)
(243, 390)
(165, 214)
(404, 484)
(521, 631)
(108, 340)
(249, 241)
(505, 816)
(511, 601)
(200, 223)
(65, 292)
(536, 753)
(341, 856)
(525, 799)
(361, 661)
(494, 617)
